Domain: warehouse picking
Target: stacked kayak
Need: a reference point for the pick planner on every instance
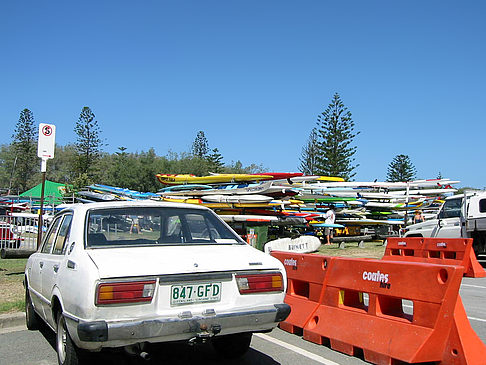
(99, 192)
(273, 194)
(230, 191)
(292, 204)
(380, 203)
(306, 199)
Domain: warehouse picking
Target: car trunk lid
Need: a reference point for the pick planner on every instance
(154, 261)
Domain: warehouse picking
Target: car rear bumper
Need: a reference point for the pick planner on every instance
(97, 334)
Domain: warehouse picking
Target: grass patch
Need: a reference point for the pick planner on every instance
(12, 265)
(371, 249)
(11, 287)
(16, 306)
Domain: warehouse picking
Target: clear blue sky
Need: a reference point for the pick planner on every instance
(254, 75)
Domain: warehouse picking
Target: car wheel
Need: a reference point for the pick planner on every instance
(67, 352)
(32, 319)
(232, 346)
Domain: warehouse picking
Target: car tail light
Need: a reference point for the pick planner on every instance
(126, 292)
(259, 283)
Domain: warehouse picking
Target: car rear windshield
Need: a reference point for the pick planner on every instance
(156, 226)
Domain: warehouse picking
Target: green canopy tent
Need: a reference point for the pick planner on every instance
(53, 192)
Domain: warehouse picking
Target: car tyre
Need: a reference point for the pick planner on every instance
(67, 352)
(232, 346)
(32, 319)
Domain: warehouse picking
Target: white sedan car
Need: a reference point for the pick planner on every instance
(127, 274)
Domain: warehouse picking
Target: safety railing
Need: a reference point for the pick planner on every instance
(19, 232)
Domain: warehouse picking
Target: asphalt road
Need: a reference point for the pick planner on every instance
(19, 346)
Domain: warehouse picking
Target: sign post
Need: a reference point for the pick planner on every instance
(45, 150)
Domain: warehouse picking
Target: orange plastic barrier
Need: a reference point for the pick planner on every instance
(365, 308)
(447, 251)
(456, 251)
(403, 248)
(306, 277)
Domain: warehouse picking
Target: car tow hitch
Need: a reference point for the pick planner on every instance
(138, 350)
(205, 334)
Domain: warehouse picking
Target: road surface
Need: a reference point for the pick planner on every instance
(18, 346)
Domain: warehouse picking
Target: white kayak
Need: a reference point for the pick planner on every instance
(385, 184)
(302, 244)
(242, 199)
(230, 218)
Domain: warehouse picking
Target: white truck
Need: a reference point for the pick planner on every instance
(460, 216)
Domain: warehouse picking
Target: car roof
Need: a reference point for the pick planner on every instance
(83, 208)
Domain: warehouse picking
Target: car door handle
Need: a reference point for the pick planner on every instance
(41, 264)
(56, 268)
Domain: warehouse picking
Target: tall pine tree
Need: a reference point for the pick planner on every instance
(401, 169)
(200, 147)
(88, 143)
(25, 149)
(336, 137)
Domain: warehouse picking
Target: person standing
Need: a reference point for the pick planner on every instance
(418, 217)
(330, 218)
(135, 224)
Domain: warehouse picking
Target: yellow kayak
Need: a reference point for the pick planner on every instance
(179, 179)
(273, 203)
(330, 178)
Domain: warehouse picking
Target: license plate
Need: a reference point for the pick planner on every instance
(195, 293)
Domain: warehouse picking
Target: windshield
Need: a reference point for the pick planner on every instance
(156, 225)
(451, 209)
